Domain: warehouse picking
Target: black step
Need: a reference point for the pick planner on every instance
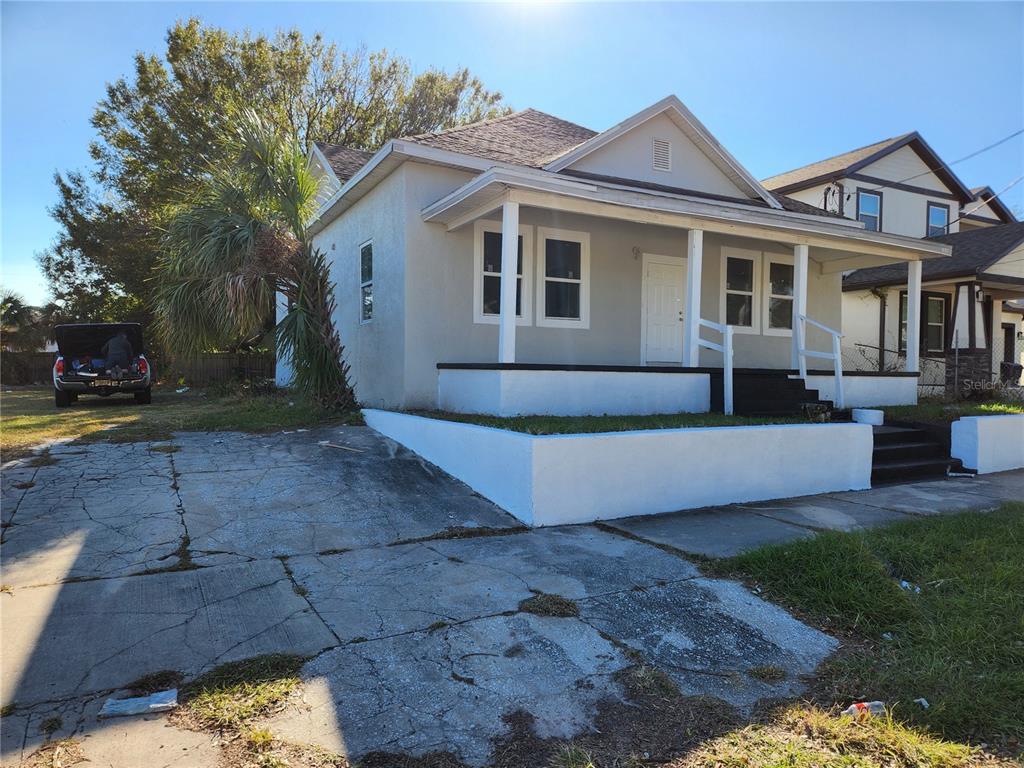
(914, 450)
(887, 435)
(906, 470)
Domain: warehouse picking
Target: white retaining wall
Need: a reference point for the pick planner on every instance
(571, 393)
(868, 391)
(989, 443)
(559, 479)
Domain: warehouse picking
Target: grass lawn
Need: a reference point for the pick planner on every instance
(28, 416)
(571, 425)
(958, 643)
(939, 412)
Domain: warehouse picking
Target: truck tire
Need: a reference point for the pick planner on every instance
(145, 397)
(60, 398)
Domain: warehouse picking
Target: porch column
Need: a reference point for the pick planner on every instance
(800, 254)
(509, 268)
(691, 326)
(913, 316)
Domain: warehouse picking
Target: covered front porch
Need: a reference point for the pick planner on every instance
(614, 301)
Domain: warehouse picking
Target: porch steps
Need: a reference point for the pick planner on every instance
(902, 454)
(758, 392)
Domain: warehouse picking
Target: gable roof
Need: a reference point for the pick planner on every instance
(987, 196)
(344, 161)
(853, 161)
(973, 252)
(529, 137)
(691, 127)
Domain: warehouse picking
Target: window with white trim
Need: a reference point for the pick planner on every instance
(487, 273)
(739, 289)
(563, 287)
(778, 306)
(938, 219)
(366, 282)
(933, 323)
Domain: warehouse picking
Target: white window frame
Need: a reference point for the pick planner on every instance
(526, 232)
(364, 283)
(769, 259)
(755, 306)
(583, 238)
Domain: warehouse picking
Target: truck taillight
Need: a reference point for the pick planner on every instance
(58, 367)
(143, 366)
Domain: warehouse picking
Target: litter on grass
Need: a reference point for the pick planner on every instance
(865, 709)
(329, 444)
(182, 390)
(923, 702)
(910, 587)
(161, 701)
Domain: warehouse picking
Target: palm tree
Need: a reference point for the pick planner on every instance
(25, 328)
(239, 241)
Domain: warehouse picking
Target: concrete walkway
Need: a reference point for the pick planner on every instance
(401, 586)
(729, 530)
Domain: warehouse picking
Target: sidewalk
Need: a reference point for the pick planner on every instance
(729, 530)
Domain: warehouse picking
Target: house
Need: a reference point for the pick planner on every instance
(902, 186)
(526, 264)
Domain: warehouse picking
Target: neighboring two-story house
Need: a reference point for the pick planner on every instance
(902, 186)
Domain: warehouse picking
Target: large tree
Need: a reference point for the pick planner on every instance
(158, 133)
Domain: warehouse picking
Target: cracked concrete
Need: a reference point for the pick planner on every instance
(126, 561)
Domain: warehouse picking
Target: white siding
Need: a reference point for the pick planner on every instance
(1012, 264)
(630, 156)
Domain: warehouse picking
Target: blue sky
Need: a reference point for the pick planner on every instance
(780, 85)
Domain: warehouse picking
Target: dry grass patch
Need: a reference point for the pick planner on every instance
(56, 754)
(812, 738)
(232, 695)
(544, 604)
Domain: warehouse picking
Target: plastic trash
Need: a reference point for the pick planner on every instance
(161, 701)
(887, 635)
(182, 390)
(865, 709)
(923, 702)
(910, 587)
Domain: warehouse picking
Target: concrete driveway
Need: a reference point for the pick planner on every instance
(399, 583)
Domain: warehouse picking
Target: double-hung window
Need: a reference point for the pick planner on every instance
(869, 209)
(366, 282)
(938, 219)
(740, 284)
(563, 290)
(487, 273)
(778, 314)
(933, 323)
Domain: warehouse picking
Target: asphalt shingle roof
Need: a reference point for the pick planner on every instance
(973, 251)
(836, 164)
(344, 161)
(530, 137)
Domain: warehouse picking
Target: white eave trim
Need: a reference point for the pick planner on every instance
(715, 151)
(315, 151)
(542, 181)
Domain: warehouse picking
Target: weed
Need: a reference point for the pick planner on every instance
(231, 695)
(6, 589)
(544, 604)
(437, 625)
(6, 710)
(767, 673)
(649, 681)
(572, 756)
(156, 681)
(42, 459)
(164, 448)
(56, 754)
(50, 726)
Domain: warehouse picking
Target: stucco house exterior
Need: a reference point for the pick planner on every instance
(527, 264)
(902, 186)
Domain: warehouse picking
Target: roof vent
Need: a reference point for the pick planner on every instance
(662, 155)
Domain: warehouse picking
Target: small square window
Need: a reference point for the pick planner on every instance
(739, 275)
(562, 300)
(780, 278)
(739, 310)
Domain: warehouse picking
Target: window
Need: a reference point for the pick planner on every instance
(740, 271)
(662, 155)
(933, 323)
(487, 274)
(869, 209)
(366, 281)
(563, 291)
(938, 219)
(779, 306)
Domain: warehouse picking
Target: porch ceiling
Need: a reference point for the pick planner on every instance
(839, 244)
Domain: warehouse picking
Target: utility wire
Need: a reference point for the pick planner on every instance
(933, 170)
(982, 203)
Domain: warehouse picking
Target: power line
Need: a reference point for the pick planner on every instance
(933, 170)
(982, 203)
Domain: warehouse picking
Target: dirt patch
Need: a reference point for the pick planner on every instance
(544, 604)
(157, 681)
(43, 459)
(164, 448)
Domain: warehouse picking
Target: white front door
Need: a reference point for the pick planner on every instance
(664, 288)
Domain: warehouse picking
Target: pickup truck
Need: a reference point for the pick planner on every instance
(81, 369)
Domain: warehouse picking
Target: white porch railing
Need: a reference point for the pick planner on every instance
(835, 355)
(726, 349)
